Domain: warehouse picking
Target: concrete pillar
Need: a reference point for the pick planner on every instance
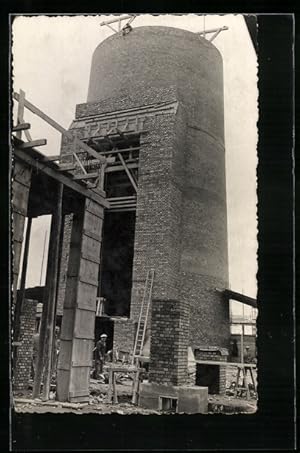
(78, 324)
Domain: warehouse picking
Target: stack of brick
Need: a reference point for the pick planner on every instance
(169, 342)
(22, 368)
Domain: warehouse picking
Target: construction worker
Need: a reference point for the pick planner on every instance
(100, 352)
(247, 356)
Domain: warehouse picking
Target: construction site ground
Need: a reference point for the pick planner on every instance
(98, 403)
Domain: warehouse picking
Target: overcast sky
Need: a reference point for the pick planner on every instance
(51, 63)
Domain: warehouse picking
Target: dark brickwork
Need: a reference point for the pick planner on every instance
(124, 330)
(169, 342)
(22, 367)
(127, 99)
(158, 218)
(64, 264)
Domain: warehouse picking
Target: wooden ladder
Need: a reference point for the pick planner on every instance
(143, 318)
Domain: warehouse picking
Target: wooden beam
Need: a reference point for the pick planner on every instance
(59, 128)
(113, 168)
(79, 163)
(52, 292)
(33, 143)
(229, 294)
(128, 172)
(67, 167)
(40, 362)
(20, 117)
(21, 292)
(21, 127)
(20, 113)
(131, 198)
(86, 176)
(56, 157)
(55, 174)
(216, 362)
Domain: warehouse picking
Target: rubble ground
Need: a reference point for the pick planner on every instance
(228, 403)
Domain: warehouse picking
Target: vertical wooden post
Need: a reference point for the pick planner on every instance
(42, 336)
(20, 297)
(50, 291)
(242, 344)
(52, 294)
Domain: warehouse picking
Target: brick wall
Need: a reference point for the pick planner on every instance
(22, 367)
(64, 263)
(159, 209)
(169, 342)
(124, 330)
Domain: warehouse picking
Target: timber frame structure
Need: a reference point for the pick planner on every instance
(42, 187)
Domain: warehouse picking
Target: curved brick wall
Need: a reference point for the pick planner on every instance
(144, 61)
(156, 57)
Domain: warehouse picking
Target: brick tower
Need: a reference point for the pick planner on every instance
(155, 109)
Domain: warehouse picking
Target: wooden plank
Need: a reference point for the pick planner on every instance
(18, 227)
(22, 173)
(33, 143)
(128, 172)
(21, 127)
(43, 326)
(66, 180)
(86, 176)
(17, 249)
(115, 168)
(129, 209)
(20, 197)
(20, 113)
(79, 163)
(67, 167)
(58, 127)
(132, 198)
(56, 157)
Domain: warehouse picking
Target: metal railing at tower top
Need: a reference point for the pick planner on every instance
(215, 31)
(92, 180)
(129, 18)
